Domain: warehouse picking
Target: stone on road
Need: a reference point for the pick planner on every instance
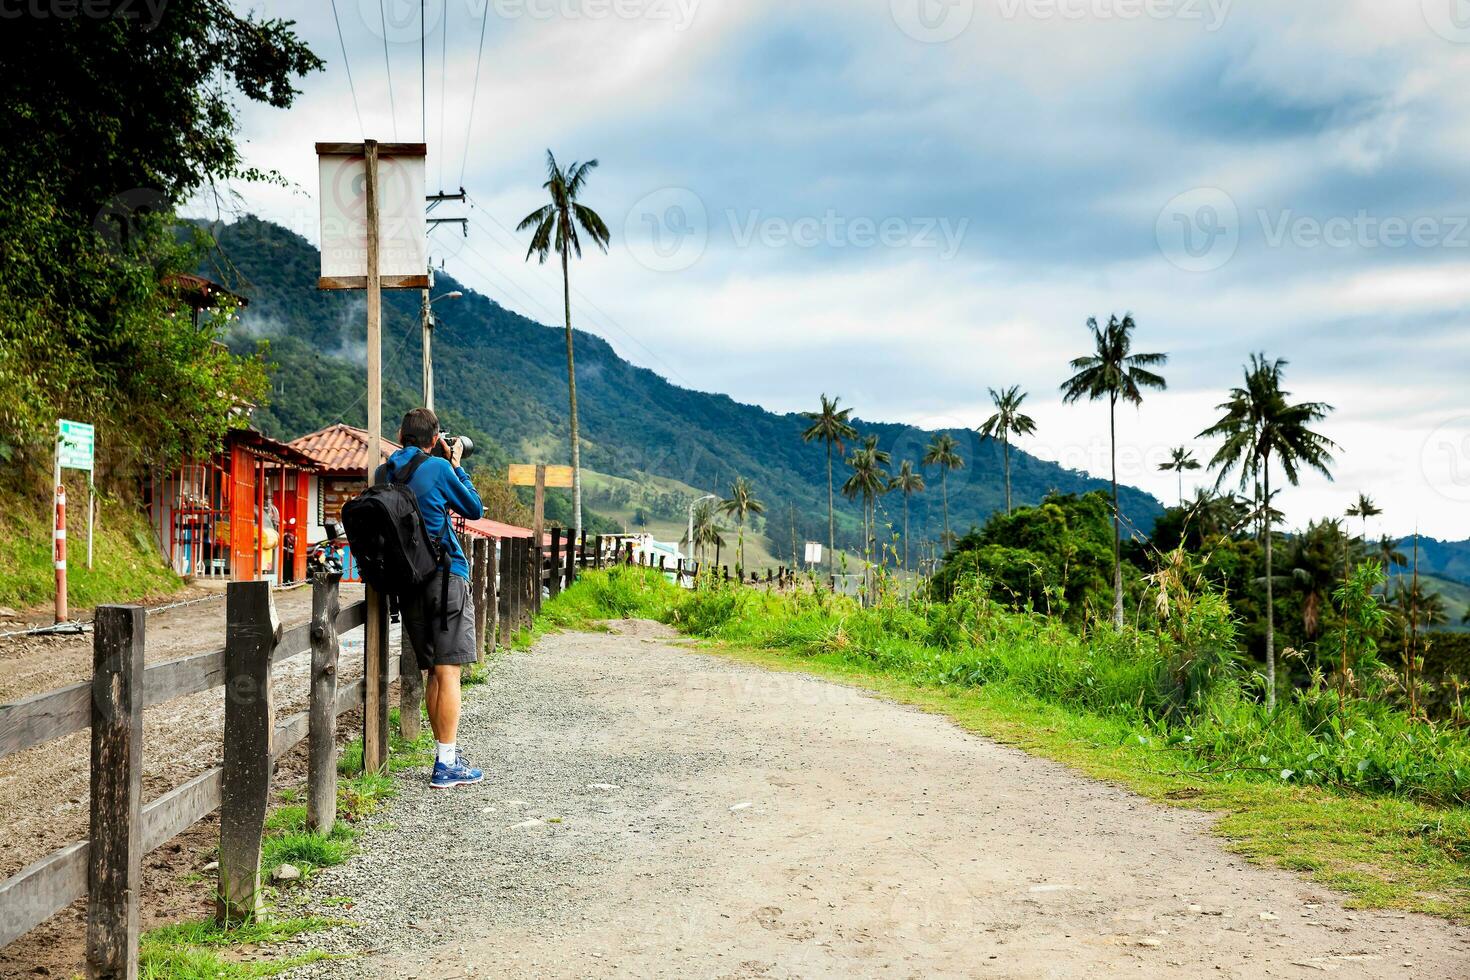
(656, 812)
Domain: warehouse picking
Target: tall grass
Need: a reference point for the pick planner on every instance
(1180, 688)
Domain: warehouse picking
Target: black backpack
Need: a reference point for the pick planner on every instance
(389, 539)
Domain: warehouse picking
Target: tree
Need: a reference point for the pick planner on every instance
(1007, 421)
(907, 481)
(1260, 423)
(1363, 509)
(942, 452)
(707, 531)
(1180, 459)
(830, 425)
(870, 481)
(112, 117)
(1113, 371)
(556, 227)
(740, 505)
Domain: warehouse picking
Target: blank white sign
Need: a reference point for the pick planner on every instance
(402, 243)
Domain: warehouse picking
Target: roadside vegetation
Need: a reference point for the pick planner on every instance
(1338, 780)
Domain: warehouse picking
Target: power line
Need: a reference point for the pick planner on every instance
(349, 66)
(423, 77)
(443, 75)
(608, 322)
(388, 67)
(474, 94)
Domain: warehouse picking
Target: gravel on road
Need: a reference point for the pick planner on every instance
(655, 811)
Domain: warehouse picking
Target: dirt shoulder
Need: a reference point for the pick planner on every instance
(44, 792)
(654, 811)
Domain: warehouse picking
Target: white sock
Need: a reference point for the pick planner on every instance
(446, 752)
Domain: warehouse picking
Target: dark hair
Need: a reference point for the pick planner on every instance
(420, 428)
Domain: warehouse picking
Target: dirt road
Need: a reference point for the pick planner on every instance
(654, 811)
(44, 792)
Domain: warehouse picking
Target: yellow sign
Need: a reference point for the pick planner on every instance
(524, 475)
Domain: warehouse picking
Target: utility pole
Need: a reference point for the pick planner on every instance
(426, 313)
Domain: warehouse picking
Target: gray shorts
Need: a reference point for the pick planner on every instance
(434, 644)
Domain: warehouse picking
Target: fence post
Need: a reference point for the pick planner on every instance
(114, 861)
(517, 587)
(579, 557)
(252, 631)
(507, 546)
(554, 585)
(321, 765)
(597, 552)
(530, 580)
(492, 595)
(410, 687)
(478, 574)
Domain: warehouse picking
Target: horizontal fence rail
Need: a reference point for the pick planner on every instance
(105, 868)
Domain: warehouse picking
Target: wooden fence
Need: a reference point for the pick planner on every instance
(507, 581)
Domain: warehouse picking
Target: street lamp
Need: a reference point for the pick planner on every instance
(692, 505)
(428, 326)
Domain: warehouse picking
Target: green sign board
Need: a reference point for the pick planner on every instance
(74, 442)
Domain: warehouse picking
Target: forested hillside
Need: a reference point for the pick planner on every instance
(504, 375)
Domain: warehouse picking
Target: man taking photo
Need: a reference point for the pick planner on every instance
(440, 621)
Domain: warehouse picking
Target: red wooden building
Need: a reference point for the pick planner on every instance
(238, 515)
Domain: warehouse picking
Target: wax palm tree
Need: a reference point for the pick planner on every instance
(942, 452)
(706, 529)
(1181, 458)
(1007, 421)
(1389, 553)
(1260, 423)
(908, 481)
(1114, 372)
(1363, 509)
(741, 504)
(556, 227)
(830, 425)
(868, 480)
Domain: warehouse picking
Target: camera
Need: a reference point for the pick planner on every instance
(450, 442)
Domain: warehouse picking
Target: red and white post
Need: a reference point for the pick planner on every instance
(60, 550)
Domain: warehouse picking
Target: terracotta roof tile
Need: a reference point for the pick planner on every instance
(341, 448)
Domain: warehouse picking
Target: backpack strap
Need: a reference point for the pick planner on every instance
(394, 476)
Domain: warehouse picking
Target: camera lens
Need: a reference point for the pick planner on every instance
(469, 446)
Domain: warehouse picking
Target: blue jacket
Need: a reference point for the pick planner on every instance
(440, 487)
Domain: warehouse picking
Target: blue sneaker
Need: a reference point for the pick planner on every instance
(459, 774)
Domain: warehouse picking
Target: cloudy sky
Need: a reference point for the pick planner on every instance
(907, 202)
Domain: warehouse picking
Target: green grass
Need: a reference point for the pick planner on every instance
(126, 563)
(402, 754)
(200, 950)
(1084, 701)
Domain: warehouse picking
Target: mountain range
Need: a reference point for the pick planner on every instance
(502, 378)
